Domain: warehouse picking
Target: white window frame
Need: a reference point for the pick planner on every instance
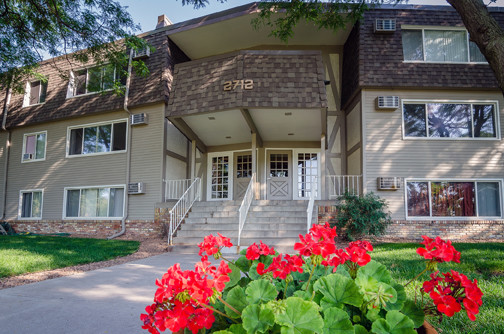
(90, 125)
(438, 28)
(295, 173)
(432, 218)
(471, 102)
(20, 205)
(65, 192)
(27, 93)
(71, 82)
(230, 155)
(24, 147)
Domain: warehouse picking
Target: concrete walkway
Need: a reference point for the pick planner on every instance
(107, 300)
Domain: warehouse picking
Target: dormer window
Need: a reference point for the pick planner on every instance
(35, 93)
(93, 80)
(439, 46)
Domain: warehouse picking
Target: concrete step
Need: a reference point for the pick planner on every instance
(213, 214)
(210, 220)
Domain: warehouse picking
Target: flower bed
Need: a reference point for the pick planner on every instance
(322, 289)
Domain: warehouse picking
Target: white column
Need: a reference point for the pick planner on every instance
(322, 167)
(192, 159)
(254, 164)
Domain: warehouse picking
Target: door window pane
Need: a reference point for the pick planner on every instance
(307, 169)
(220, 170)
(488, 199)
(279, 165)
(418, 199)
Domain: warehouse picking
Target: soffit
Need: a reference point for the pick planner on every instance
(237, 33)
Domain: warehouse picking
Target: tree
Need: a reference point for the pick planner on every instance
(482, 27)
(81, 30)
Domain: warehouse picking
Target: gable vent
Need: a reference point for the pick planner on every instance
(136, 188)
(137, 119)
(385, 26)
(389, 183)
(387, 102)
(143, 53)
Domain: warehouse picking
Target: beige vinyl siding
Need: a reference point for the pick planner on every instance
(58, 171)
(146, 162)
(388, 154)
(353, 134)
(175, 140)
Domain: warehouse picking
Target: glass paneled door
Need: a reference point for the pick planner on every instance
(220, 179)
(243, 173)
(307, 175)
(279, 178)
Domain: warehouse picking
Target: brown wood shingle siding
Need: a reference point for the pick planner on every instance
(143, 90)
(380, 56)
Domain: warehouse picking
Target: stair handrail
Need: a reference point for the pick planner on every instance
(182, 207)
(309, 210)
(245, 206)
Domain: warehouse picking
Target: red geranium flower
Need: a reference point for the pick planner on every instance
(438, 250)
(254, 251)
(212, 245)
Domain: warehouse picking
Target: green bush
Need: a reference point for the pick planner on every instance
(359, 216)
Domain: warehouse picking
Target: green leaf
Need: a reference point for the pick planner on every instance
(260, 291)
(373, 314)
(224, 332)
(412, 311)
(257, 319)
(337, 321)
(401, 298)
(237, 329)
(243, 263)
(358, 329)
(237, 299)
(342, 270)
(394, 323)
(376, 270)
(234, 275)
(338, 290)
(301, 317)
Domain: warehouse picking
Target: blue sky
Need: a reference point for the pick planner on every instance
(145, 12)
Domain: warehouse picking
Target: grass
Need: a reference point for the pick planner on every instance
(28, 254)
(484, 262)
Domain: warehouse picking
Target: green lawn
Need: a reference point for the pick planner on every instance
(484, 262)
(24, 254)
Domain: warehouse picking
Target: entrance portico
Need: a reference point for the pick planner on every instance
(270, 121)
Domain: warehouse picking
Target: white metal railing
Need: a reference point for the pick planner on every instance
(182, 207)
(245, 205)
(174, 189)
(309, 210)
(339, 184)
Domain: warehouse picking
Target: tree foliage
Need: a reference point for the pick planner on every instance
(82, 30)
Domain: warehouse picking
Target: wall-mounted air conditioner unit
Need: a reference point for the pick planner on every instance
(383, 26)
(27, 156)
(136, 188)
(389, 183)
(137, 119)
(143, 53)
(387, 102)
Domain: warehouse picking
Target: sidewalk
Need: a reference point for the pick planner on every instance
(107, 300)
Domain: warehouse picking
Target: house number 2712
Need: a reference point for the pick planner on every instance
(235, 84)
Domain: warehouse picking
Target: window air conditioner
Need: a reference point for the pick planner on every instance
(143, 53)
(387, 102)
(137, 119)
(384, 26)
(136, 188)
(27, 156)
(389, 183)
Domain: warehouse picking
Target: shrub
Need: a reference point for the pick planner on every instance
(361, 215)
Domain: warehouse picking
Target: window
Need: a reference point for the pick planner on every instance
(35, 93)
(94, 79)
(440, 46)
(307, 174)
(94, 202)
(30, 204)
(97, 138)
(449, 120)
(453, 199)
(34, 146)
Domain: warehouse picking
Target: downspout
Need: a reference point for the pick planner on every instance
(7, 150)
(128, 153)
